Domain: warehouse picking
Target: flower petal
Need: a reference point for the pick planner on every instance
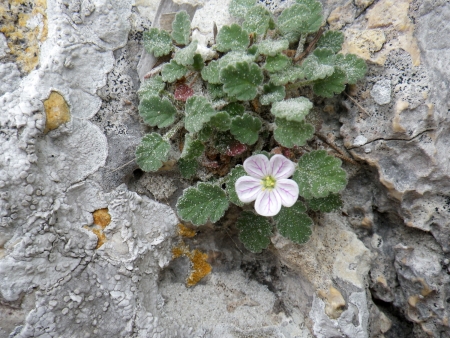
(281, 167)
(247, 188)
(257, 166)
(288, 191)
(268, 203)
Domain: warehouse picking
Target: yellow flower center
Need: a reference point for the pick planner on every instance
(268, 182)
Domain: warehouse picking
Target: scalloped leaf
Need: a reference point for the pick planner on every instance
(181, 28)
(187, 167)
(198, 62)
(277, 63)
(151, 87)
(234, 109)
(319, 64)
(152, 152)
(157, 42)
(300, 18)
(211, 72)
(294, 109)
(294, 223)
(257, 20)
(157, 112)
(198, 112)
(354, 67)
(221, 121)
(215, 91)
(245, 128)
(186, 55)
(202, 203)
(173, 71)
(272, 93)
(232, 38)
(241, 80)
(235, 173)
(288, 75)
(272, 47)
(234, 57)
(206, 133)
(254, 231)
(192, 148)
(325, 204)
(239, 8)
(332, 40)
(330, 85)
(292, 133)
(319, 174)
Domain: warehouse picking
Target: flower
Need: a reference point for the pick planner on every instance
(268, 184)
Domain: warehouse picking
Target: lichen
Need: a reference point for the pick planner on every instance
(199, 265)
(57, 111)
(184, 231)
(101, 220)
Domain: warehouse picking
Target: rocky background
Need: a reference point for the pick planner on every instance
(90, 245)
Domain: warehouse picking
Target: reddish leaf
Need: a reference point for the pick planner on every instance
(183, 92)
(210, 164)
(236, 149)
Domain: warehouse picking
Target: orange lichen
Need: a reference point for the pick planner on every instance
(56, 110)
(101, 220)
(184, 231)
(199, 265)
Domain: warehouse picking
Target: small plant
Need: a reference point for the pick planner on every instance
(246, 100)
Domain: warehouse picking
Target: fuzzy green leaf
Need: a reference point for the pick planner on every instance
(187, 167)
(294, 223)
(203, 202)
(254, 231)
(272, 93)
(151, 87)
(241, 80)
(246, 128)
(173, 71)
(211, 72)
(299, 18)
(330, 85)
(234, 109)
(192, 148)
(319, 64)
(319, 174)
(152, 152)
(186, 55)
(292, 133)
(215, 91)
(198, 63)
(181, 28)
(157, 42)
(221, 121)
(223, 141)
(234, 57)
(288, 75)
(206, 133)
(272, 47)
(235, 173)
(293, 109)
(277, 63)
(157, 112)
(198, 112)
(326, 204)
(239, 8)
(232, 38)
(257, 20)
(354, 67)
(332, 40)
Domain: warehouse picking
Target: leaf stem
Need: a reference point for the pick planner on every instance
(310, 46)
(171, 133)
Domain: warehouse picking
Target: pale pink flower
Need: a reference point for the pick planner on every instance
(268, 184)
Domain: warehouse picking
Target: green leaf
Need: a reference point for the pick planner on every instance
(187, 167)
(192, 148)
(234, 57)
(272, 94)
(198, 63)
(151, 87)
(157, 42)
(332, 40)
(157, 112)
(272, 47)
(241, 80)
(300, 18)
(223, 141)
(319, 174)
(221, 121)
(354, 67)
(254, 231)
(288, 75)
(152, 152)
(203, 202)
(257, 20)
(292, 133)
(319, 64)
(215, 91)
(331, 85)
(234, 109)
(186, 55)
(294, 224)
(181, 28)
(198, 112)
(206, 133)
(173, 71)
(326, 204)
(245, 128)
(232, 38)
(277, 63)
(235, 173)
(239, 8)
(293, 109)
(210, 73)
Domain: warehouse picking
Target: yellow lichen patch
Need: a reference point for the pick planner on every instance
(101, 237)
(56, 110)
(24, 24)
(199, 265)
(184, 231)
(364, 43)
(335, 303)
(102, 217)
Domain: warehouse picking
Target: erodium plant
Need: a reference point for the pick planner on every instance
(244, 101)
